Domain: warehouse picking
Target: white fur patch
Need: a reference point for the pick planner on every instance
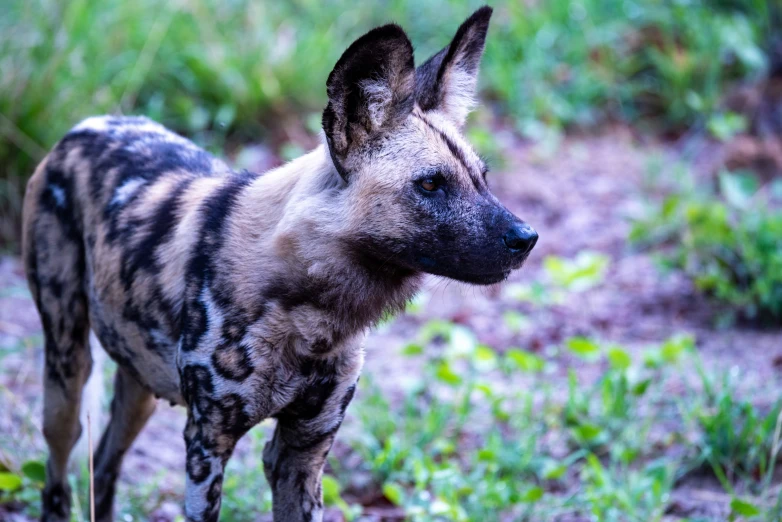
(379, 96)
(126, 190)
(95, 123)
(59, 195)
(459, 97)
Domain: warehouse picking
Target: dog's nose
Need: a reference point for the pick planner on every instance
(521, 238)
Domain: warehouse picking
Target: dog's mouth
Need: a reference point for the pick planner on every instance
(484, 279)
(490, 278)
(472, 272)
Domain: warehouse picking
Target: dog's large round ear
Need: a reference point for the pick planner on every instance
(446, 82)
(370, 90)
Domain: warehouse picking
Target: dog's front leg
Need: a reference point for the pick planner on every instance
(207, 454)
(293, 460)
(215, 423)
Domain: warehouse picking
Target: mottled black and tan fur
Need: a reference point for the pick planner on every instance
(245, 296)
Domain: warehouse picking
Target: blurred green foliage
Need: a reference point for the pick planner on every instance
(239, 69)
(726, 239)
(468, 442)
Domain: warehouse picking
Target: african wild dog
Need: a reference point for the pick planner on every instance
(245, 296)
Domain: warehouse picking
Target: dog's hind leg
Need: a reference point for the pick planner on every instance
(55, 266)
(68, 364)
(63, 309)
(131, 407)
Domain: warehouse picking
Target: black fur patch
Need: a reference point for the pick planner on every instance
(200, 271)
(383, 52)
(194, 323)
(160, 226)
(197, 387)
(212, 509)
(455, 150)
(56, 500)
(233, 419)
(57, 199)
(198, 463)
(309, 401)
(290, 296)
(349, 393)
(232, 361)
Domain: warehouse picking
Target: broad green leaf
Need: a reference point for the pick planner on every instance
(445, 373)
(34, 470)
(525, 361)
(553, 471)
(672, 350)
(534, 293)
(394, 493)
(584, 271)
(597, 470)
(487, 455)
(583, 347)
(484, 388)
(412, 349)
(619, 358)
(640, 387)
(587, 432)
(10, 482)
(532, 495)
(743, 508)
(724, 126)
(484, 358)
(515, 321)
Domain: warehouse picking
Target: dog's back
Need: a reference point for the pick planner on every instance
(109, 224)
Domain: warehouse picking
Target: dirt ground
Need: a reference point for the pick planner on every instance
(579, 196)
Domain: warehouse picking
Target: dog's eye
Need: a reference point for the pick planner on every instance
(429, 184)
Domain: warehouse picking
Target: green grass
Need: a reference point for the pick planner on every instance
(233, 72)
(467, 443)
(726, 240)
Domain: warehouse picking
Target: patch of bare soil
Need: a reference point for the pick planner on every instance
(578, 197)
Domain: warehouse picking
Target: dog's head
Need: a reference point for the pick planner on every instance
(418, 197)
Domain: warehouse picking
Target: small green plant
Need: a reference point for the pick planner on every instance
(603, 417)
(618, 493)
(563, 277)
(738, 442)
(23, 485)
(461, 444)
(727, 242)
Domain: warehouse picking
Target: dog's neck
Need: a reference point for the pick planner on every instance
(294, 237)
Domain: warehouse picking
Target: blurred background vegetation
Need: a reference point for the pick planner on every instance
(483, 432)
(237, 71)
